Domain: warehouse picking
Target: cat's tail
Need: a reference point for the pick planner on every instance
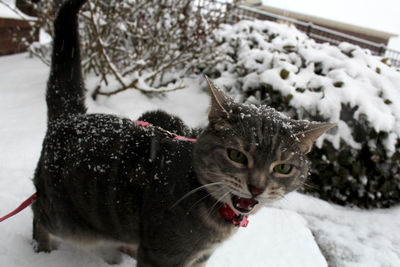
(65, 89)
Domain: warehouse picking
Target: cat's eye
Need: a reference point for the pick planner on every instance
(237, 156)
(283, 168)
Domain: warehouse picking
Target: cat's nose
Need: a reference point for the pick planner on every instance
(255, 191)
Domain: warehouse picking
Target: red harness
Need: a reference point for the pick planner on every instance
(232, 216)
(226, 212)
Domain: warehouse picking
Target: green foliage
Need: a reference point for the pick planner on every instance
(284, 74)
(338, 84)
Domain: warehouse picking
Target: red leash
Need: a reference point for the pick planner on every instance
(23, 205)
(226, 212)
(174, 136)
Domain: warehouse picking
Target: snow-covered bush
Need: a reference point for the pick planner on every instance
(141, 44)
(359, 161)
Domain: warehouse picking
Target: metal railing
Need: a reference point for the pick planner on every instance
(321, 34)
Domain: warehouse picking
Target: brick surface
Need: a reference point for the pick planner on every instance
(12, 29)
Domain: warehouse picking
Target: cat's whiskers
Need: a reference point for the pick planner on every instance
(208, 194)
(233, 182)
(270, 196)
(217, 201)
(237, 188)
(241, 193)
(309, 186)
(284, 198)
(194, 191)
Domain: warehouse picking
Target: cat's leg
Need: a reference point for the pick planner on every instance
(201, 261)
(199, 264)
(130, 250)
(41, 237)
(109, 253)
(147, 258)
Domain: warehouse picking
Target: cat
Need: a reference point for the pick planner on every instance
(107, 182)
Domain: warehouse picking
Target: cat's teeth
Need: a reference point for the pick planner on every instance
(238, 206)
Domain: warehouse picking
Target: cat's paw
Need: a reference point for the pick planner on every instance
(111, 255)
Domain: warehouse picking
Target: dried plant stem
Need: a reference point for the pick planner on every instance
(141, 44)
(145, 91)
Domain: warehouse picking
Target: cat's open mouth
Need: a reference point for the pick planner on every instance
(243, 205)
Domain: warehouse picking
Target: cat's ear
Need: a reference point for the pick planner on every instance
(219, 104)
(311, 133)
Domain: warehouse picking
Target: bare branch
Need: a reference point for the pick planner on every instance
(154, 42)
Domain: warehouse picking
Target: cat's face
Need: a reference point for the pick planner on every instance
(252, 155)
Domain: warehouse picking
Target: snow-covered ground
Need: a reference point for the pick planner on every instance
(298, 231)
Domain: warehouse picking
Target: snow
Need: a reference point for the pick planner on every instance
(273, 238)
(283, 235)
(350, 237)
(9, 11)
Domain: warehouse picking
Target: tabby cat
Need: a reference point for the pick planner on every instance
(107, 182)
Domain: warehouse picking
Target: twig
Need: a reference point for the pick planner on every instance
(102, 52)
(161, 91)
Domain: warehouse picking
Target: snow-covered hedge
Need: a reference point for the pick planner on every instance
(356, 163)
